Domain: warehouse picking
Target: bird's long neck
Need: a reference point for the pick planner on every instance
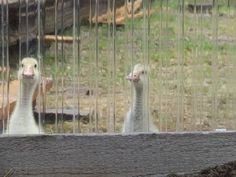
(138, 104)
(24, 99)
(140, 110)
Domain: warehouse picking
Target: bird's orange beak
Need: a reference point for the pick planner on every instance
(133, 77)
(28, 72)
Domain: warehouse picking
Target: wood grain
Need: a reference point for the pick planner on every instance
(115, 155)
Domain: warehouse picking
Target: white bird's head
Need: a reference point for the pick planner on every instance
(138, 77)
(29, 71)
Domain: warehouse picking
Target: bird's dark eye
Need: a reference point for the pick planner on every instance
(22, 65)
(35, 66)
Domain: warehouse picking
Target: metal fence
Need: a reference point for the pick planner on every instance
(88, 47)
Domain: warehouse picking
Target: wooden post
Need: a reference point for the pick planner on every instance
(115, 155)
(53, 38)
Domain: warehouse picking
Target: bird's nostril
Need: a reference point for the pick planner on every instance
(135, 75)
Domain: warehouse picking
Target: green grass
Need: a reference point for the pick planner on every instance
(164, 32)
(193, 59)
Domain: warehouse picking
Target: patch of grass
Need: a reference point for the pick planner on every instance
(198, 50)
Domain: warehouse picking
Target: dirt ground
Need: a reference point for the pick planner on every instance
(225, 170)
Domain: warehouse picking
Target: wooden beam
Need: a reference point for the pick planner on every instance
(65, 39)
(122, 13)
(115, 155)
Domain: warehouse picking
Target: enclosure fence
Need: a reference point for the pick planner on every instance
(87, 48)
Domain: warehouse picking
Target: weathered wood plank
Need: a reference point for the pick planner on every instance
(16, 35)
(115, 155)
(65, 39)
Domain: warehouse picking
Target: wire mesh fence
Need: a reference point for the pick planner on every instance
(86, 51)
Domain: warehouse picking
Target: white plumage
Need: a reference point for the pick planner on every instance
(22, 120)
(137, 119)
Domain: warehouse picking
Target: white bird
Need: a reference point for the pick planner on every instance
(22, 120)
(137, 119)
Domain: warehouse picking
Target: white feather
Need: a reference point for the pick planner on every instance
(137, 119)
(22, 120)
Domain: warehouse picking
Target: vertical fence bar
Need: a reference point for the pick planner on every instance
(2, 62)
(39, 56)
(91, 78)
(43, 58)
(1, 65)
(3, 56)
(132, 36)
(76, 65)
(7, 63)
(146, 28)
(127, 55)
(27, 26)
(132, 48)
(19, 29)
(201, 52)
(78, 62)
(56, 63)
(202, 96)
(4, 68)
(214, 61)
(97, 66)
(112, 66)
(113, 117)
(224, 94)
(109, 53)
(234, 70)
(165, 63)
(231, 84)
(3, 5)
(180, 58)
(22, 28)
(160, 74)
(62, 65)
(195, 69)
